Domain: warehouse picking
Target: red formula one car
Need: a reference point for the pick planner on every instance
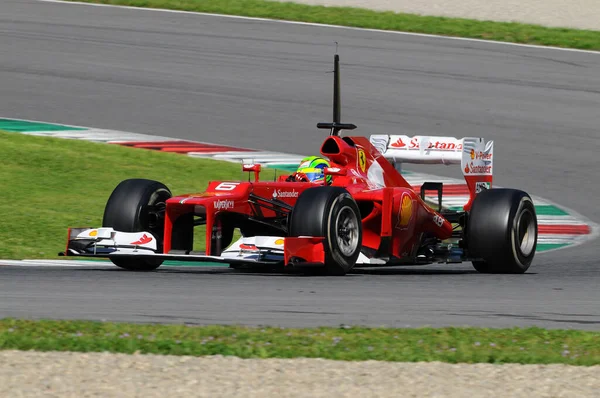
(363, 213)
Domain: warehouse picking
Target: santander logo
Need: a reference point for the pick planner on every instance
(471, 168)
(143, 240)
(442, 145)
(398, 144)
(285, 194)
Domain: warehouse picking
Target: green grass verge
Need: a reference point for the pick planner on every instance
(470, 345)
(362, 18)
(53, 183)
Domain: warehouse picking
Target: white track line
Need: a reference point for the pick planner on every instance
(325, 25)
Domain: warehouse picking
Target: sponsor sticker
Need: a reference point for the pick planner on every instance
(439, 221)
(143, 240)
(437, 144)
(406, 211)
(477, 158)
(472, 168)
(223, 204)
(279, 194)
(398, 144)
(480, 155)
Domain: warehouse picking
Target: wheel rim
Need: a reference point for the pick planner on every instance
(526, 232)
(156, 217)
(346, 227)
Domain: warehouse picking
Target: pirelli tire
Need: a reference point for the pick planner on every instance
(333, 213)
(502, 231)
(137, 205)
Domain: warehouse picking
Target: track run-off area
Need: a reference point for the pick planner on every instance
(241, 83)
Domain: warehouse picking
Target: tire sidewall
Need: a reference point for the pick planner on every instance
(525, 205)
(339, 203)
(152, 196)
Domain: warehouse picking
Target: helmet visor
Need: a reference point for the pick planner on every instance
(313, 174)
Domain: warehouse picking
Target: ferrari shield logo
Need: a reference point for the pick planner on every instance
(362, 160)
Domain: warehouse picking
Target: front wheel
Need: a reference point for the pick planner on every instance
(502, 231)
(330, 212)
(137, 205)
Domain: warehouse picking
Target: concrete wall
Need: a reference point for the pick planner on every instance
(582, 14)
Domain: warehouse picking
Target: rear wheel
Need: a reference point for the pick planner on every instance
(330, 212)
(138, 205)
(502, 231)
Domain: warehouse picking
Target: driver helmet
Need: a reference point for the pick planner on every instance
(313, 167)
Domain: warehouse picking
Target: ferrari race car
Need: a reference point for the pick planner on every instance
(364, 213)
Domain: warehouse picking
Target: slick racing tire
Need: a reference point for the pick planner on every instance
(330, 212)
(502, 231)
(138, 205)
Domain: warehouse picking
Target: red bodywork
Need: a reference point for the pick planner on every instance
(393, 216)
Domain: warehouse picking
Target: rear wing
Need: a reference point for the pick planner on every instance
(474, 155)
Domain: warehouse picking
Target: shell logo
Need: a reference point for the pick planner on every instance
(279, 242)
(94, 233)
(472, 154)
(405, 211)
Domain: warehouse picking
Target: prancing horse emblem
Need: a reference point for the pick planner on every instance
(362, 160)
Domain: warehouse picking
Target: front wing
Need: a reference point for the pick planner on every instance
(108, 243)
(256, 250)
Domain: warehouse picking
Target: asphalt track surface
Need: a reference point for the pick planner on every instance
(264, 85)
